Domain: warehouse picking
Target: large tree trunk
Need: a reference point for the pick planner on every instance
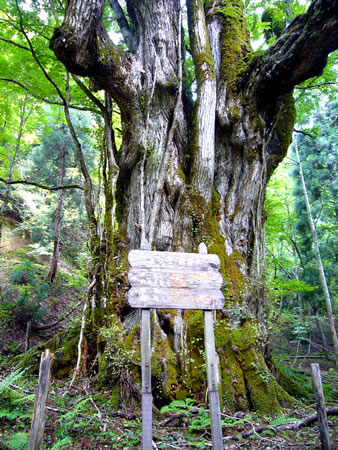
(188, 175)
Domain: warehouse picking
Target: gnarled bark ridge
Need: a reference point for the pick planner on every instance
(192, 171)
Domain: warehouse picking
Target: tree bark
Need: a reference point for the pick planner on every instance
(193, 171)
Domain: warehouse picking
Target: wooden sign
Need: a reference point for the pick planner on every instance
(174, 280)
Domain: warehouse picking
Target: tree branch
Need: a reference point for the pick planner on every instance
(42, 186)
(314, 86)
(127, 33)
(35, 56)
(301, 51)
(44, 99)
(84, 47)
(53, 324)
(89, 94)
(14, 43)
(305, 133)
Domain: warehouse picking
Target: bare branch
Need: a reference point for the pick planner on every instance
(61, 319)
(305, 133)
(42, 186)
(15, 43)
(314, 86)
(44, 99)
(89, 94)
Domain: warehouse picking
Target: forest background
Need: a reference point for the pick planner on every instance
(53, 133)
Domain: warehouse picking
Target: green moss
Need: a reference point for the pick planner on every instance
(64, 347)
(115, 396)
(286, 120)
(109, 54)
(180, 173)
(291, 383)
(235, 41)
(285, 117)
(247, 381)
(194, 381)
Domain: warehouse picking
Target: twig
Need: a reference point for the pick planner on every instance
(53, 324)
(77, 369)
(332, 411)
(171, 418)
(93, 403)
(302, 356)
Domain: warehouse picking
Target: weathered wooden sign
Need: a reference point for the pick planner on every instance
(174, 280)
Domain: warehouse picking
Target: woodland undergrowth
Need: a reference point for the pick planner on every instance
(82, 417)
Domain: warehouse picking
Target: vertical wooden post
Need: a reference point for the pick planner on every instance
(38, 419)
(147, 398)
(28, 335)
(321, 410)
(210, 356)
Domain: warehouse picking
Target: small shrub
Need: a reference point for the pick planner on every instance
(23, 300)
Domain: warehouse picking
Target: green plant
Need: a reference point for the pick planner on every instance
(117, 358)
(61, 444)
(13, 409)
(198, 418)
(281, 420)
(10, 379)
(67, 420)
(18, 441)
(201, 421)
(178, 406)
(28, 290)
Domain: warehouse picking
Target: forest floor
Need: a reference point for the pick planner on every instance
(82, 417)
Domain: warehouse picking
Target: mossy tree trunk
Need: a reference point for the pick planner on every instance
(192, 170)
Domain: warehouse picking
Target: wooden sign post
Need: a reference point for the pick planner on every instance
(39, 415)
(176, 281)
(321, 410)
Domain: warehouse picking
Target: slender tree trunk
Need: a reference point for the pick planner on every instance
(319, 259)
(58, 218)
(12, 159)
(322, 335)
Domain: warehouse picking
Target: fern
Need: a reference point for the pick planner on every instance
(281, 420)
(59, 445)
(10, 379)
(18, 441)
(24, 399)
(10, 415)
(232, 421)
(201, 421)
(178, 406)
